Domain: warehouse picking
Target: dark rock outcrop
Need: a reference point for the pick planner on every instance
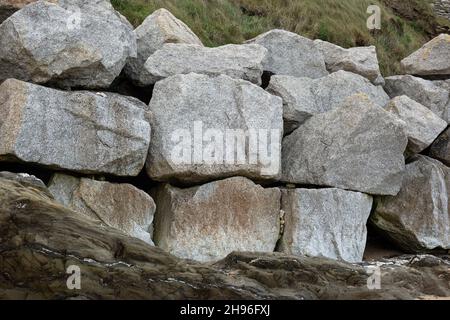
(40, 239)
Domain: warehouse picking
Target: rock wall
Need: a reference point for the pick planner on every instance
(218, 160)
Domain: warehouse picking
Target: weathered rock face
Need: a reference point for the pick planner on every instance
(120, 206)
(325, 222)
(357, 146)
(208, 222)
(420, 90)
(8, 7)
(157, 29)
(237, 61)
(430, 60)
(196, 121)
(304, 97)
(440, 149)
(77, 131)
(64, 44)
(418, 218)
(359, 60)
(291, 54)
(34, 259)
(421, 125)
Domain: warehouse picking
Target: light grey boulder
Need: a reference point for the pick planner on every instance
(430, 60)
(444, 84)
(304, 97)
(440, 149)
(67, 44)
(418, 218)
(206, 128)
(423, 91)
(291, 54)
(121, 206)
(359, 60)
(208, 222)
(79, 131)
(325, 222)
(157, 29)
(237, 61)
(421, 125)
(358, 146)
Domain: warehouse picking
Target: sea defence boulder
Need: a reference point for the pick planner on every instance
(291, 54)
(305, 97)
(359, 60)
(418, 218)
(157, 29)
(435, 98)
(421, 125)
(237, 61)
(325, 222)
(358, 146)
(86, 132)
(206, 128)
(64, 44)
(118, 205)
(430, 60)
(208, 222)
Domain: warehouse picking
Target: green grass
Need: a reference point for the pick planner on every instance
(406, 24)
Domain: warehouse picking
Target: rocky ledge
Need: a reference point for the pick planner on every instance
(41, 239)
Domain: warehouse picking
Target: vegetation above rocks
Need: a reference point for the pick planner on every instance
(406, 25)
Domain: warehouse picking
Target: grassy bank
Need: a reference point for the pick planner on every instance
(406, 24)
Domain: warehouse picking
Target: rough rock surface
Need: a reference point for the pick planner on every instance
(423, 91)
(78, 131)
(418, 218)
(440, 149)
(121, 206)
(430, 60)
(8, 7)
(304, 97)
(237, 61)
(291, 54)
(421, 125)
(64, 44)
(325, 222)
(357, 146)
(208, 222)
(34, 259)
(157, 29)
(359, 60)
(183, 103)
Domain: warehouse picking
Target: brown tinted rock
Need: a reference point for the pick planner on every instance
(121, 206)
(208, 222)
